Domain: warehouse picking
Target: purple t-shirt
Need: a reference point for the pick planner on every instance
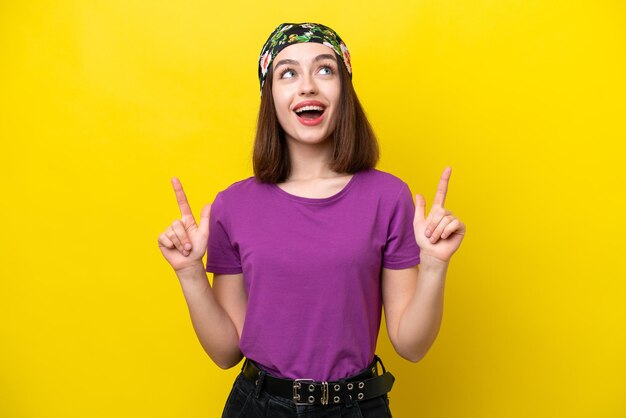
(312, 269)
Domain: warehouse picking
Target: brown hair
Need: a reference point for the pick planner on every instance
(355, 145)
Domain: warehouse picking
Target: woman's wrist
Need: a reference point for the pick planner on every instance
(192, 271)
(434, 264)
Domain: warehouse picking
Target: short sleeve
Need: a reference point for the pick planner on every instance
(223, 256)
(401, 251)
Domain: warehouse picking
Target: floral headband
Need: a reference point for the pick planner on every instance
(291, 33)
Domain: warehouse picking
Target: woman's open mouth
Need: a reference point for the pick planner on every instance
(310, 115)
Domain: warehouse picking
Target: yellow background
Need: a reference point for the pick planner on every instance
(102, 102)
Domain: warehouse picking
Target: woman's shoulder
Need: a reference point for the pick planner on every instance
(241, 185)
(374, 177)
(242, 189)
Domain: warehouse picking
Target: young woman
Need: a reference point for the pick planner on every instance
(306, 253)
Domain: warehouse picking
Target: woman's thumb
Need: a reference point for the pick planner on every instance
(420, 205)
(204, 219)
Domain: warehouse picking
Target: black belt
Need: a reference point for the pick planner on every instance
(366, 385)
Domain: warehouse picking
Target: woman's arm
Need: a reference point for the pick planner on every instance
(413, 302)
(413, 297)
(217, 313)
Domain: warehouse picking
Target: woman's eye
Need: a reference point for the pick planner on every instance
(327, 69)
(288, 73)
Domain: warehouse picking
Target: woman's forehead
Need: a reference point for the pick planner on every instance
(304, 52)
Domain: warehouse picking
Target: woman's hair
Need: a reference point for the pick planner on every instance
(355, 145)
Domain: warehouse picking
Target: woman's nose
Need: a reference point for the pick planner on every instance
(308, 85)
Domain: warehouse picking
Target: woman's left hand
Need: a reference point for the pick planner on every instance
(440, 234)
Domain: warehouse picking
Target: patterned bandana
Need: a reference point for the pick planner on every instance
(291, 33)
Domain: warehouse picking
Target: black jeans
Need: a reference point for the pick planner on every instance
(244, 403)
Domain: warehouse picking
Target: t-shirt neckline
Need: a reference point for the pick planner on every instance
(317, 200)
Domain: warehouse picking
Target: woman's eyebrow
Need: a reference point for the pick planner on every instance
(294, 62)
(324, 56)
(285, 62)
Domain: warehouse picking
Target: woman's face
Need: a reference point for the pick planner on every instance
(306, 90)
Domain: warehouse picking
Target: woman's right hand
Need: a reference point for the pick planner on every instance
(184, 243)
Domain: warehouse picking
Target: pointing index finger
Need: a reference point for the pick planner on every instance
(442, 188)
(181, 198)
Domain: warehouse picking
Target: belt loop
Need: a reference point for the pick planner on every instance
(381, 363)
(259, 383)
(345, 395)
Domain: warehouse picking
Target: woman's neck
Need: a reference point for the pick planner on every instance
(310, 161)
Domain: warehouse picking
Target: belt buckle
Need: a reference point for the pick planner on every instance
(297, 384)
